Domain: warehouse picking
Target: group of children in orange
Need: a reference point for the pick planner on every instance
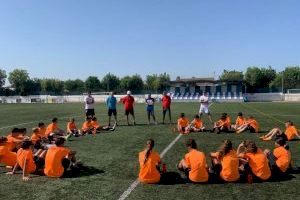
(247, 163)
(44, 152)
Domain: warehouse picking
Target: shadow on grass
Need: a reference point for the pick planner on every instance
(82, 171)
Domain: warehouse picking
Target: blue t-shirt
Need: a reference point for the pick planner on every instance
(111, 102)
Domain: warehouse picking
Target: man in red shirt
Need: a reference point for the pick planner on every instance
(166, 103)
(128, 105)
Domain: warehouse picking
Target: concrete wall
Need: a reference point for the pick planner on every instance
(265, 97)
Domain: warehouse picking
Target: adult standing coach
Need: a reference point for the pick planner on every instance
(128, 102)
(204, 107)
(89, 105)
(111, 103)
(166, 103)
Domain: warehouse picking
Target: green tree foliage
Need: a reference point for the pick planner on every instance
(152, 82)
(157, 83)
(110, 82)
(291, 78)
(52, 86)
(92, 83)
(74, 86)
(232, 76)
(133, 83)
(163, 82)
(257, 78)
(18, 79)
(2, 78)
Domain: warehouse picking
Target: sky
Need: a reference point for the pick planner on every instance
(74, 39)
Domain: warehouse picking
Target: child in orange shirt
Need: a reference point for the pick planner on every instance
(290, 133)
(251, 125)
(149, 164)
(225, 163)
(255, 163)
(183, 124)
(239, 122)
(222, 125)
(280, 159)
(14, 140)
(7, 157)
(72, 128)
(27, 162)
(35, 137)
(197, 125)
(194, 164)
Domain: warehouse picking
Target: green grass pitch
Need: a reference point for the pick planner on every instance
(112, 156)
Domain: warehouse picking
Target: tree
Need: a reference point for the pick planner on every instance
(17, 79)
(259, 78)
(92, 83)
(152, 82)
(32, 87)
(52, 86)
(133, 83)
(110, 82)
(74, 86)
(291, 78)
(231, 76)
(2, 78)
(163, 82)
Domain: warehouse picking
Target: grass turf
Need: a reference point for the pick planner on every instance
(112, 157)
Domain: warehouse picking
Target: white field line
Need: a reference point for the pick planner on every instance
(132, 187)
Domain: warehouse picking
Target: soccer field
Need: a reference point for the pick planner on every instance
(112, 157)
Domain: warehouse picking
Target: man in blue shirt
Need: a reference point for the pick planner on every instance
(111, 103)
(150, 108)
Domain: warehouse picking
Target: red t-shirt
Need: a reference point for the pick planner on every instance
(166, 101)
(128, 102)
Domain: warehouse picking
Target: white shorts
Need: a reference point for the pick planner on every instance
(204, 109)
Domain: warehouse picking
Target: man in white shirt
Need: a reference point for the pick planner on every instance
(89, 105)
(204, 108)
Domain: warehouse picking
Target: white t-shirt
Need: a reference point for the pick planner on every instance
(204, 101)
(89, 102)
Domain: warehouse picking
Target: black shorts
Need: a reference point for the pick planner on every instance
(166, 109)
(39, 162)
(251, 129)
(129, 111)
(90, 112)
(112, 112)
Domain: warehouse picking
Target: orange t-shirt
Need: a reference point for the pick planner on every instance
(42, 132)
(259, 164)
(53, 161)
(51, 128)
(254, 124)
(283, 158)
(26, 154)
(196, 161)
(239, 121)
(95, 124)
(35, 137)
(7, 157)
(230, 166)
(71, 126)
(148, 172)
(183, 122)
(223, 122)
(228, 120)
(87, 125)
(197, 123)
(12, 141)
(291, 132)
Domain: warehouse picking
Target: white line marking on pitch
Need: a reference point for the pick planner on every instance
(127, 192)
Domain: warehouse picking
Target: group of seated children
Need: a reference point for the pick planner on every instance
(185, 127)
(249, 163)
(33, 157)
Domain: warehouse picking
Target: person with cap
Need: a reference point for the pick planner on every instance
(128, 102)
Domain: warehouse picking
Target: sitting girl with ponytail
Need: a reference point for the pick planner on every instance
(149, 164)
(225, 163)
